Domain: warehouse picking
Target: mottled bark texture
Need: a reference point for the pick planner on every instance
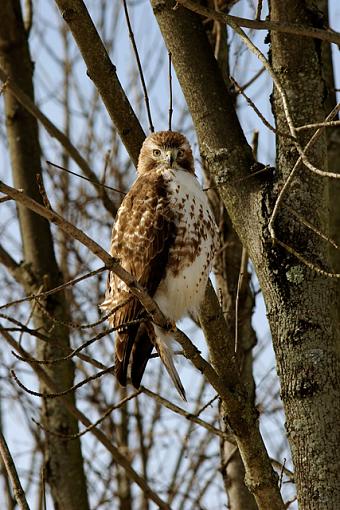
(333, 143)
(300, 302)
(64, 468)
(306, 336)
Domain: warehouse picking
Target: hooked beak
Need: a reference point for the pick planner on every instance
(169, 158)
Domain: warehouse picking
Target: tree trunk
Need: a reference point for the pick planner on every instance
(64, 463)
(305, 336)
(333, 144)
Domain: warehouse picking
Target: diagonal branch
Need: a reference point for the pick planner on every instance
(103, 74)
(20, 272)
(73, 232)
(121, 459)
(53, 131)
(149, 304)
(12, 473)
(288, 28)
(8, 261)
(182, 412)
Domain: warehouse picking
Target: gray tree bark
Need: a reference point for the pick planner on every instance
(64, 463)
(306, 337)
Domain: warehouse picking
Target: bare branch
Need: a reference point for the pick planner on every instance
(289, 179)
(12, 473)
(7, 260)
(20, 272)
(93, 425)
(170, 92)
(139, 65)
(103, 74)
(188, 416)
(57, 394)
(325, 35)
(53, 131)
(54, 165)
(243, 269)
(102, 438)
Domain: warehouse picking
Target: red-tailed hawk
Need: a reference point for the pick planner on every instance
(165, 236)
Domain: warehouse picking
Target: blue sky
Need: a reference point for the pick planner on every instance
(154, 59)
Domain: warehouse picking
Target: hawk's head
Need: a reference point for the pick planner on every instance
(165, 149)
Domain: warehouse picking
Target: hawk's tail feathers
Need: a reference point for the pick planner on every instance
(165, 353)
(123, 346)
(141, 352)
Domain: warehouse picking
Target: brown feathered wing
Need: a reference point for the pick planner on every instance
(142, 237)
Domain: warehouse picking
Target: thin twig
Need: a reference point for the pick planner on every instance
(278, 465)
(75, 325)
(311, 227)
(173, 485)
(290, 502)
(76, 352)
(240, 90)
(253, 79)
(170, 92)
(178, 410)
(53, 131)
(207, 404)
(96, 183)
(139, 65)
(306, 262)
(39, 335)
(281, 473)
(304, 31)
(93, 425)
(289, 179)
(243, 269)
(55, 289)
(42, 191)
(117, 456)
(333, 123)
(73, 388)
(258, 10)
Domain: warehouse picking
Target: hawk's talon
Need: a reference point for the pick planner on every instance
(170, 326)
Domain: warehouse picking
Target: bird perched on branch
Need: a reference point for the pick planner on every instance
(166, 237)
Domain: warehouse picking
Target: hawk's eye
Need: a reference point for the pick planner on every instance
(180, 153)
(156, 152)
